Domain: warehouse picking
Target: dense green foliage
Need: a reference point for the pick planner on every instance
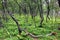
(10, 32)
(27, 19)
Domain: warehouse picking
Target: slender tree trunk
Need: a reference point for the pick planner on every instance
(41, 13)
(48, 10)
(10, 13)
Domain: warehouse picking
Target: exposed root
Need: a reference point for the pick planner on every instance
(35, 37)
(38, 36)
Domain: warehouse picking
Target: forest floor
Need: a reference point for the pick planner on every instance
(10, 31)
